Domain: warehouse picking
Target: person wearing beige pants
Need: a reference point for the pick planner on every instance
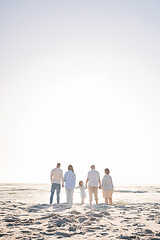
(107, 187)
(93, 190)
(94, 179)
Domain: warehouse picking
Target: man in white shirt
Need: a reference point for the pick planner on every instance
(94, 179)
(56, 180)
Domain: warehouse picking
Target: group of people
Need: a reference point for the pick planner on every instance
(93, 181)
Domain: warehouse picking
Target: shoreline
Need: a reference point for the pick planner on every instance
(33, 194)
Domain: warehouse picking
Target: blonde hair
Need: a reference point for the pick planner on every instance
(70, 167)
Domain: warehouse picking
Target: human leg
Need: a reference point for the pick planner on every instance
(90, 190)
(108, 196)
(106, 200)
(82, 200)
(71, 196)
(110, 201)
(53, 187)
(95, 191)
(67, 195)
(58, 192)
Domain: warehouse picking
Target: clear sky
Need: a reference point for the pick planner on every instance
(80, 84)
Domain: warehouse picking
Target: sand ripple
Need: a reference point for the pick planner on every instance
(42, 221)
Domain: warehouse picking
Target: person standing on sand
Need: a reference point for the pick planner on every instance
(107, 186)
(70, 182)
(93, 178)
(56, 179)
(82, 191)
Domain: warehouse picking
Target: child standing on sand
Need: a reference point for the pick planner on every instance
(82, 191)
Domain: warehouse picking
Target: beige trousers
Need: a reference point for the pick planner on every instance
(93, 190)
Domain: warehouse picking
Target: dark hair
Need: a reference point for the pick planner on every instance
(80, 183)
(70, 167)
(107, 171)
(58, 164)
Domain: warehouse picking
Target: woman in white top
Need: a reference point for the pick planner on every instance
(70, 182)
(107, 186)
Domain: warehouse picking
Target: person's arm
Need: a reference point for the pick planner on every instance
(103, 182)
(87, 182)
(100, 183)
(87, 179)
(51, 175)
(75, 178)
(62, 179)
(112, 183)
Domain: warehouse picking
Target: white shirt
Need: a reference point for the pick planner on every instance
(57, 176)
(82, 191)
(107, 183)
(93, 177)
(70, 180)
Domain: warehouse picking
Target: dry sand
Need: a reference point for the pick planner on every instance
(42, 221)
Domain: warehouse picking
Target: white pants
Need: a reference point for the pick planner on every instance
(69, 195)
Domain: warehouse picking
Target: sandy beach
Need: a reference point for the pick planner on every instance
(42, 221)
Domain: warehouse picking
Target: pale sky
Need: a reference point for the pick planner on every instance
(80, 85)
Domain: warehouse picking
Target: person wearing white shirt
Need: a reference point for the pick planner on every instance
(94, 179)
(107, 187)
(70, 182)
(56, 180)
(82, 191)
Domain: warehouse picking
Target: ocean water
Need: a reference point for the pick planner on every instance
(40, 193)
